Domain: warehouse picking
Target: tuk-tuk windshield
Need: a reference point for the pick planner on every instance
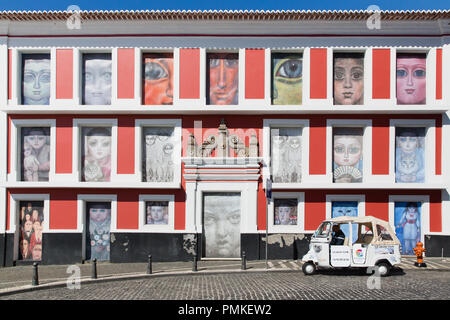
(323, 230)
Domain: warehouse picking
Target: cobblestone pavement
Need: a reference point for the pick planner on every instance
(278, 285)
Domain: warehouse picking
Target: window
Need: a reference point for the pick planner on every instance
(409, 154)
(383, 233)
(323, 230)
(31, 219)
(35, 153)
(36, 79)
(287, 78)
(286, 154)
(98, 225)
(96, 78)
(411, 78)
(348, 78)
(96, 154)
(223, 78)
(157, 212)
(158, 79)
(158, 154)
(347, 155)
(285, 212)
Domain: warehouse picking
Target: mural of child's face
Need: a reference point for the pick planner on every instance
(223, 79)
(99, 214)
(287, 81)
(27, 150)
(36, 82)
(99, 147)
(97, 80)
(157, 213)
(168, 148)
(411, 80)
(150, 139)
(284, 214)
(347, 150)
(408, 142)
(158, 81)
(36, 139)
(348, 81)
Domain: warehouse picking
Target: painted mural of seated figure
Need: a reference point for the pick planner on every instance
(97, 160)
(409, 156)
(30, 163)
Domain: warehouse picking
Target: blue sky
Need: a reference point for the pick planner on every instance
(223, 5)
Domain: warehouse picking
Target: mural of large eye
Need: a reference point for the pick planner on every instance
(291, 68)
(401, 73)
(155, 71)
(419, 73)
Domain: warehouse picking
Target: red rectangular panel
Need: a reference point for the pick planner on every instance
(125, 145)
(315, 209)
(377, 205)
(64, 73)
(64, 132)
(262, 208)
(254, 73)
(436, 211)
(380, 146)
(189, 73)
(318, 74)
(438, 159)
(317, 146)
(63, 210)
(381, 74)
(127, 210)
(125, 73)
(438, 74)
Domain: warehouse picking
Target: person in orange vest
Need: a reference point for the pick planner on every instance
(419, 250)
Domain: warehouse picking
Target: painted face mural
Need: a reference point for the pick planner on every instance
(287, 78)
(411, 79)
(97, 78)
(158, 79)
(409, 155)
(223, 70)
(31, 221)
(346, 208)
(157, 212)
(98, 235)
(347, 155)
(97, 154)
(35, 156)
(158, 160)
(36, 79)
(348, 79)
(407, 225)
(286, 154)
(285, 212)
(222, 224)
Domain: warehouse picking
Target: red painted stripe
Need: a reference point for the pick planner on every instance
(377, 205)
(315, 209)
(127, 210)
(64, 133)
(9, 74)
(63, 210)
(125, 73)
(254, 73)
(318, 74)
(318, 146)
(125, 145)
(64, 73)
(438, 159)
(381, 73)
(8, 205)
(380, 146)
(261, 208)
(9, 144)
(436, 211)
(439, 74)
(189, 73)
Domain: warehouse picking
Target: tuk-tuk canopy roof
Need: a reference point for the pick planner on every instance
(368, 220)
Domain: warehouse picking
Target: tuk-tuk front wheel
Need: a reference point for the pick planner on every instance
(308, 268)
(384, 269)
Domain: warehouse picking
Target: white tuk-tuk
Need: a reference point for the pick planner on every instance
(375, 245)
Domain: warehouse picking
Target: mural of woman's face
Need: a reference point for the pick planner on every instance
(347, 150)
(157, 213)
(408, 142)
(223, 79)
(284, 214)
(411, 80)
(99, 214)
(348, 81)
(36, 82)
(97, 82)
(99, 147)
(36, 139)
(158, 81)
(287, 81)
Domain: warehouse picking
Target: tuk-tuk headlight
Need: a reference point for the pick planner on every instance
(317, 248)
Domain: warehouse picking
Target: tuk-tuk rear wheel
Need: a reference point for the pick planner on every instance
(383, 269)
(309, 268)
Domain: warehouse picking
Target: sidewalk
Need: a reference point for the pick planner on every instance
(19, 278)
